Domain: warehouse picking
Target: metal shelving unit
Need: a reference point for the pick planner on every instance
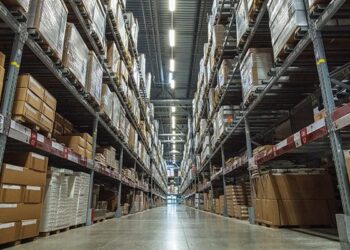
(309, 59)
(23, 47)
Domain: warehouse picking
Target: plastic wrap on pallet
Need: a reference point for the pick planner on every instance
(49, 19)
(224, 72)
(211, 20)
(133, 26)
(107, 101)
(254, 69)
(142, 60)
(243, 17)
(112, 6)
(122, 121)
(123, 71)
(202, 126)
(116, 111)
(94, 77)
(217, 4)
(24, 4)
(285, 18)
(89, 6)
(148, 85)
(218, 37)
(99, 22)
(113, 58)
(76, 54)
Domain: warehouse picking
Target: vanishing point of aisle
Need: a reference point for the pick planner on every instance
(178, 228)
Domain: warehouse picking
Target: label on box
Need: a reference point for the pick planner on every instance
(33, 188)
(28, 222)
(40, 138)
(297, 140)
(73, 158)
(40, 157)
(13, 187)
(57, 146)
(315, 126)
(7, 225)
(8, 205)
(13, 167)
(282, 144)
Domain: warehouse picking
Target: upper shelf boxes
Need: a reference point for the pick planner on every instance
(20, 5)
(49, 19)
(76, 54)
(287, 21)
(94, 78)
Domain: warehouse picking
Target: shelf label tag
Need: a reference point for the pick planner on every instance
(297, 140)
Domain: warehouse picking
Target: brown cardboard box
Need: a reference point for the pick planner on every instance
(21, 108)
(32, 194)
(27, 81)
(50, 100)
(9, 232)
(89, 146)
(2, 77)
(87, 137)
(17, 212)
(2, 59)
(347, 160)
(29, 229)
(45, 123)
(11, 193)
(78, 149)
(88, 154)
(48, 112)
(12, 174)
(72, 141)
(26, 95)
(29, 160)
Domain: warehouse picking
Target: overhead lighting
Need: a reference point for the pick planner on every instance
(172, 37)
(173, 122)
(173, 109)
(172, 65)
(174, 138)
(174, 132)
(172, 5)
(174, 146)
(172, 84)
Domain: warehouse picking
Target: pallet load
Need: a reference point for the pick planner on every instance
(22, 183)
(218, 38)
(255, 68)
(62, 126)
(80, 143)
(224, 72)
(109, 155)
(98, 27)
(113, 60)
(237, 206)
(34, 105)
(80, 192)
(106, 108)
(116, 110)
(287, 20)
(133, 26)
(47, 22)
(20, 7)
(2, 72)
(206, 149)
(94, 79)
(290, 197)
(75, 56)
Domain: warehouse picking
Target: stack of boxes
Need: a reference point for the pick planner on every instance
(33, 104)
(21, 193)
(62, 126)
(237, 201)
(80, 143)
(81, 183)
(109, 154)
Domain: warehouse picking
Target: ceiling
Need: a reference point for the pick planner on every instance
(190, 24)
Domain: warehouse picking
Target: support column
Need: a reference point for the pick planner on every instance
(224, 179)
(211, 188)
(92, 172)
(119, 209)
(10, 88)
(133, 208)
(249, 155)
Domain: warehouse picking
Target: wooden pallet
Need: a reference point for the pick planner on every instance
(97, 41)
(17, 242)
(58, 231)
(318, 7)
(72, 78)
(18, 13)
(84, 13)
(33, 126)
(77, 226)
(106, 118)
(44, 45)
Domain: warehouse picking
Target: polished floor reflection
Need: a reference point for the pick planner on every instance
(177, 228)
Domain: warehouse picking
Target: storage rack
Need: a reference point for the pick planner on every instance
(253, 120)
(23, 47)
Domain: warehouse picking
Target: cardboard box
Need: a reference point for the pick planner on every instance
(72, 141)
(50, 100)
(9, 232)
(11, 193)
(12, 174)
(32, 194)
(88, 154)
(46, 123)
(89, 146)
(18, 212)
(48, 112)
(2, 59)
(347, 161)
(29, 229)
(2, 77)
(78, 149)
(27, 81)
(87, 137)
(28, 160)
(26, 95)
(21, 108)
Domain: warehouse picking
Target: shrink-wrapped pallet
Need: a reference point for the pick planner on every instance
(116, 111)
(254, 69)
(76, 54)
(99, 22)
(224, 72)
(49, 19)
(107, 101)
(133, 26)
(94, 77)
(23, 4)
(113, 58)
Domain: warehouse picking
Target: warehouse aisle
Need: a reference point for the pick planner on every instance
(177, 228)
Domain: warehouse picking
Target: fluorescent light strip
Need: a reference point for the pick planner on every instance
(172, 65)
(172, 5)
(173, 109)
(172, 37)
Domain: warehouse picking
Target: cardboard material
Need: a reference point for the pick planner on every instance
(29, 160)
(2, 59)
(28, 96)
(46, 124)
(12, 174)
(33, 194)
(11, 193)
(18, 212)
(21, 108)
(2, 77)
(50, 100)
(48, 112)
(29, 229)
(9, 232)
(72, 141)
(27, 81)
(347, 160)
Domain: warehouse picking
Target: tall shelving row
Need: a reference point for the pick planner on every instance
(26, 53)
(297, 115)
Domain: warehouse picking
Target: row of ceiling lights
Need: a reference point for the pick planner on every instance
(172, 8)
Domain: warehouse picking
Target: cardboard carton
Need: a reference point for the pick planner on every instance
(2, 77)
(11, 193)
(29, 228)
(27, 81)
(32, 194)
(18, 212)
(9, 232)
(21, 108)
(12, 174)
(2, 59)
(48, 112)
(28, 160)
(49, 100)
(26, 95)
(45, 123)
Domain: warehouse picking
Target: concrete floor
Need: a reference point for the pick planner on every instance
(177, 228)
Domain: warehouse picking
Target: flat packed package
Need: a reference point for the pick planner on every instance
(254, 69)
(107, 101)
(242, 19)
(94, 77)
(113, 58)
(76, 54)
(89, 6)
(116, 111)
(285, 19)
(112, 6)
(49, 19)
(99, 22)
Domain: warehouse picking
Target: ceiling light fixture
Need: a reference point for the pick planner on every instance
(172, 5)
(173, 109)
(173, 132)
(172, 84)
(173, 122)
(172, 65)
(172, 37)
